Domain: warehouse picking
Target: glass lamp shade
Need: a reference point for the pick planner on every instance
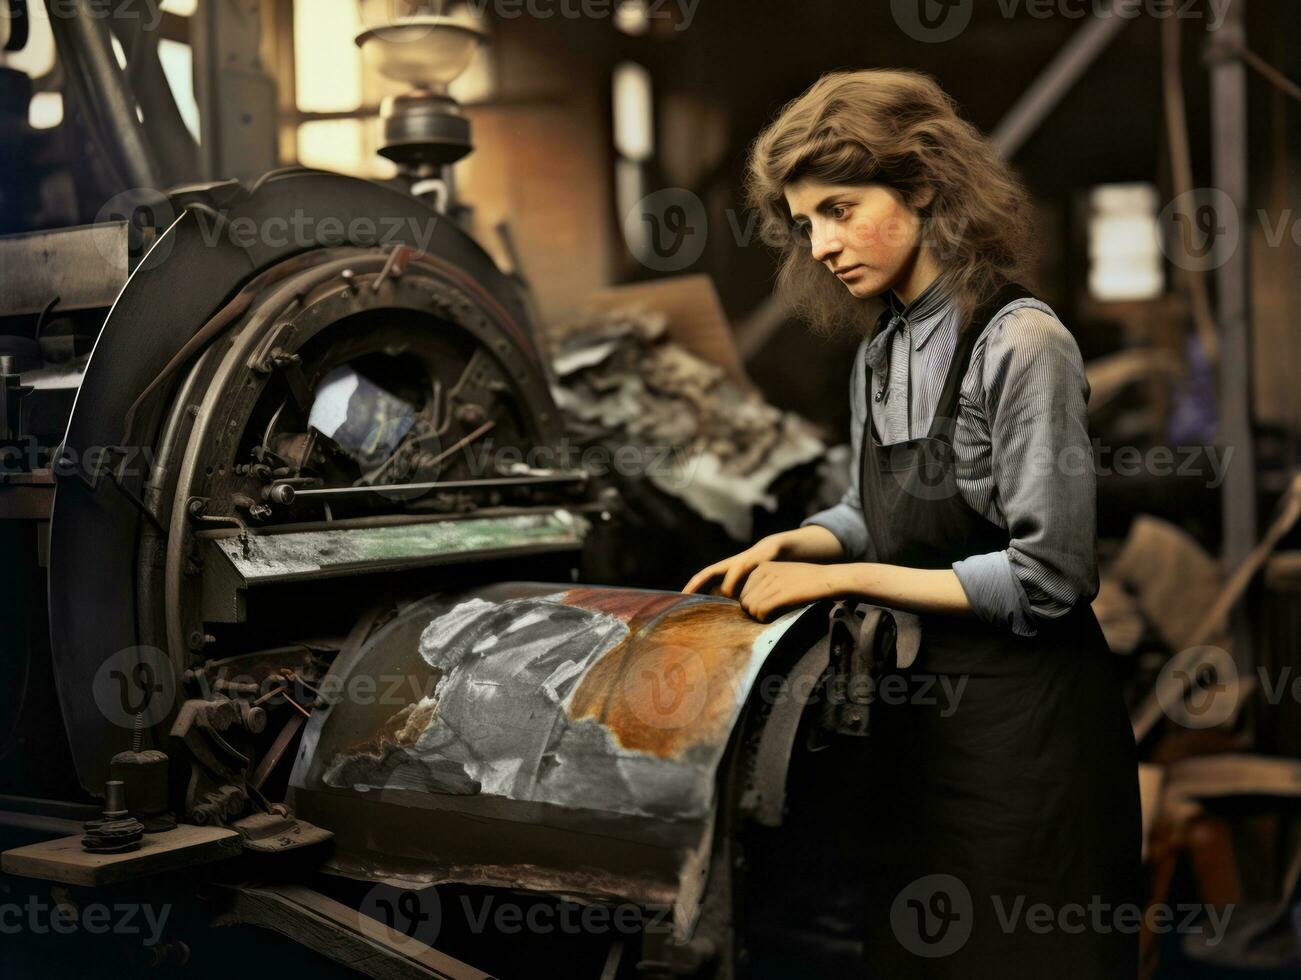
(424, 52)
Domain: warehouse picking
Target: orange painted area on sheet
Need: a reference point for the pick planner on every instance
(626, 604)
(672, 683)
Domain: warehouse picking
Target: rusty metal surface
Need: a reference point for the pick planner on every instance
(550, 738)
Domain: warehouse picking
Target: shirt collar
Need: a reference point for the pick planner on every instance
(925, 313)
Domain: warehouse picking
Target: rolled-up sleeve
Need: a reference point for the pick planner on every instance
(845, 519)
(1031, 404)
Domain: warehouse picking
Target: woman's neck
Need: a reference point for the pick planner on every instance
(923, 271)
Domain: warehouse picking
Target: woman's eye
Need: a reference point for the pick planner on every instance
(840, 212)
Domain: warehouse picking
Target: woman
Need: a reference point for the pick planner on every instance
(1005, 829)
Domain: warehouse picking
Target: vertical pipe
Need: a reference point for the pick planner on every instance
(1230, 175)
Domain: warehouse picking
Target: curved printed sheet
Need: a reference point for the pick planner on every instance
(616, 700)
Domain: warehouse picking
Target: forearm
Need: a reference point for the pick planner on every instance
(918, 590)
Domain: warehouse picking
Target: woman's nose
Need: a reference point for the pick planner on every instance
(824, 245)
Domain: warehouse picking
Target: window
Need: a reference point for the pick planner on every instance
(330, 81)
(634, 141)
(1124, 243)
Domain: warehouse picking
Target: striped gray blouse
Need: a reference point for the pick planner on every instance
(1022, 448)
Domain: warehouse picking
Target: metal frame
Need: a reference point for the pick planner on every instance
(1230, 174)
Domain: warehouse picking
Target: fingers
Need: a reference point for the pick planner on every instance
(735, 570)
(704, 575)
(755, 596)
(737, 574)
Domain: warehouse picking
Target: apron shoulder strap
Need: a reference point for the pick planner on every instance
(946, 411)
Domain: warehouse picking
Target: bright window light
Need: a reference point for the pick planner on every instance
(37, 56)
(632, 17)
(634, 117)
(335, 145)
(178, 66)
(182, 7)
(327, 64)
(1124, 243)
(118, 53)
(45, 111)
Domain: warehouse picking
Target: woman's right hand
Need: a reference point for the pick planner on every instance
(812, 543)
(735, 569)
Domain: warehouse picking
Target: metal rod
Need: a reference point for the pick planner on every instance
(323, 493)
(1046, 91)
(86, 47)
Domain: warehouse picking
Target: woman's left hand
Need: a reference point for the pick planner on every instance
(776, 585)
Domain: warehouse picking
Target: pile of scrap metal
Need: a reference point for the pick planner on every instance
(712, 451)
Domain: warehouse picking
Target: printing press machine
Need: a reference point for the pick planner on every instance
(286, 598)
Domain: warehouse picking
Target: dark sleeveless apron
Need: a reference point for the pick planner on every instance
(1005, 828)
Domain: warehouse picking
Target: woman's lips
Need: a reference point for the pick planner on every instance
(851, 273)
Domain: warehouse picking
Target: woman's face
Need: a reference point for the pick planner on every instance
(865, 234)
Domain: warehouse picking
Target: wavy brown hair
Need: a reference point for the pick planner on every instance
(899, 129)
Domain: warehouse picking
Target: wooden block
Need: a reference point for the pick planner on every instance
(63, 859)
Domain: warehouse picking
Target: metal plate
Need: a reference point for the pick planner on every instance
(535, 736)
(261, 559)
(85, 267)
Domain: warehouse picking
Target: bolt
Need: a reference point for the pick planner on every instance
(115, 797)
